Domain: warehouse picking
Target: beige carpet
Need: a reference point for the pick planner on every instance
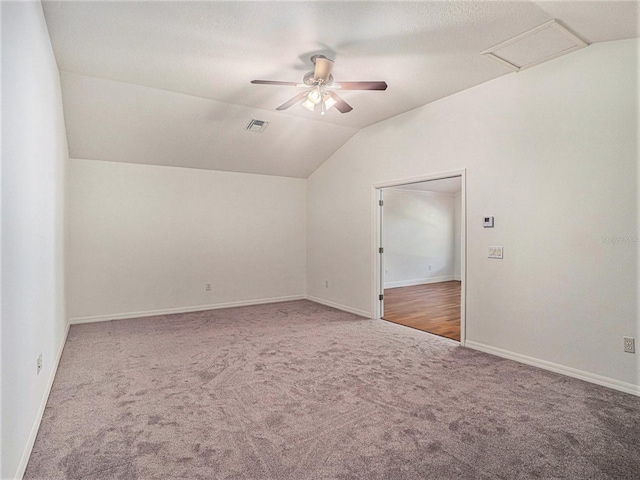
(301, 391)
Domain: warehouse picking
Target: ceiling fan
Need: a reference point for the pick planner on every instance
(320, 87)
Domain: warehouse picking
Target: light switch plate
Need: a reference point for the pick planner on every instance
(496, 252)
(487, 222)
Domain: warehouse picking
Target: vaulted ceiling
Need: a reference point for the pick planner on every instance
(168, 83)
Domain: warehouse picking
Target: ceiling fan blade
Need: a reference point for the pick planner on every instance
(341, 105)
(275, 82)
(293, 101)
(360, 85)
(323, 67)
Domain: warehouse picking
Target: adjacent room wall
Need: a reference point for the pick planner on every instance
(419, 234)
(34, 153)
(146, 239)
(552, 153)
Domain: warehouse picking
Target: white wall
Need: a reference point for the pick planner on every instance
(34, 153)
(419, 234)
(144, 239)
(551, 152)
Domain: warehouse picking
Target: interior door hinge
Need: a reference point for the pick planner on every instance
(381, 250)
(381, 297)
(381, 202)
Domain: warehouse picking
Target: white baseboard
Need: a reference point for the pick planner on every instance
(31, 440)
(418, 281)
(554, 367)
(168, 311)
(344, 308)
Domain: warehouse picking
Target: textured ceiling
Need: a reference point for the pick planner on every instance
(168, 82)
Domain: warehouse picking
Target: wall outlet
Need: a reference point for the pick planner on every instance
(495, 252)
(326, 283)
(207, 287)
(39, 364)
(629, 344)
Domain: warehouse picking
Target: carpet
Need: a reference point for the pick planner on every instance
(298, 390)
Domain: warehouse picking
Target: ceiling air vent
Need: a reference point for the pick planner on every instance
(257, 126)
(533, 47)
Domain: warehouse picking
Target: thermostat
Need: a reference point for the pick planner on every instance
(487, 222)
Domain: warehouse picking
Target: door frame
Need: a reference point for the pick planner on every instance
(377, 287)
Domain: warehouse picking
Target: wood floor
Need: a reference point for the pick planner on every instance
(433, 308)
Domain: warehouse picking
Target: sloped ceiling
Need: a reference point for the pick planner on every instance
(167, 83)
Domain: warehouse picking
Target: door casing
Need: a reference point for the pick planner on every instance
(377, 279)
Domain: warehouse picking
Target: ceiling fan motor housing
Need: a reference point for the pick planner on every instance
(309, 79)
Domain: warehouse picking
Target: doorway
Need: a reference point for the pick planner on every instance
(421, 255)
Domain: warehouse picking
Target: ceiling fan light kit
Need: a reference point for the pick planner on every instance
(316, 97)
(322, 85)
(328, 101)
(309, 105)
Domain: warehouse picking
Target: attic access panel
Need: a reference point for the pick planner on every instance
(533, 47)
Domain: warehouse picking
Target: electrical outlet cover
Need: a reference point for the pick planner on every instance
(629, 344)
